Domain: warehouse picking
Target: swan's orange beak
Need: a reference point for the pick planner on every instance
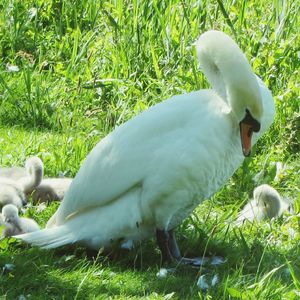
(246, 131)
(247, 126)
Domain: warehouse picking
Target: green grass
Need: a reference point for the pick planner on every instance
(88, 66)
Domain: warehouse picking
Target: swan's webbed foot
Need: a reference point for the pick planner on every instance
(170, 252)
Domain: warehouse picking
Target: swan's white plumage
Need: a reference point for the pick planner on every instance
(152, 171)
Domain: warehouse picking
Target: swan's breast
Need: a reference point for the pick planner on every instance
(198, 158)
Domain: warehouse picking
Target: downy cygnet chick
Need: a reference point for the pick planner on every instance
(1, 220)
(11, 193)
(14, 173)
(267, 204)
(14, 191)
(14, 224)
(51, 189)
(47, 189)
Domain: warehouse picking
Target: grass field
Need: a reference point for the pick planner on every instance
(71, 71)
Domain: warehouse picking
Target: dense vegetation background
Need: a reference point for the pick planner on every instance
(72, 70)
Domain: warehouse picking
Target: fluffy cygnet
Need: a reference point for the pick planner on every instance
(41, 189)
(14, 173)
(1, 220)
(13, 190)
(266, 204)
(51, 189)
(14, 224)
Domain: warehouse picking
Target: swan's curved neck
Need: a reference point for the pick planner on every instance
(229, 73)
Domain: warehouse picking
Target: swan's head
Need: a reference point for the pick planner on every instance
(230, 75)
(10, 213)
(268, 199)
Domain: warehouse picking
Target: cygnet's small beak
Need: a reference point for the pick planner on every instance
(24, 202)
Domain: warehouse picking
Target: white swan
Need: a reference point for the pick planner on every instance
(151, 172)
(266, 204)
(13, 189)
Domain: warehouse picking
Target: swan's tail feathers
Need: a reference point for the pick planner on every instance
(49, 238)
(35, 171)
(52, 221)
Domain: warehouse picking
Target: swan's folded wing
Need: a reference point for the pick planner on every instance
(130, 153)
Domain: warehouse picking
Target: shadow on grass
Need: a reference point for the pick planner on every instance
(72, 272)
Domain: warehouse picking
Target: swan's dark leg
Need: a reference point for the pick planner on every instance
(173, 246)
(175, 252)
(162, 237)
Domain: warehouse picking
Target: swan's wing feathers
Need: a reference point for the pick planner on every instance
(105, 174)
(126, 156)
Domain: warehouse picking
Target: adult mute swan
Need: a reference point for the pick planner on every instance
(150, 173)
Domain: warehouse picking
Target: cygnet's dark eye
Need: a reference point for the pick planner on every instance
(265, 204)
